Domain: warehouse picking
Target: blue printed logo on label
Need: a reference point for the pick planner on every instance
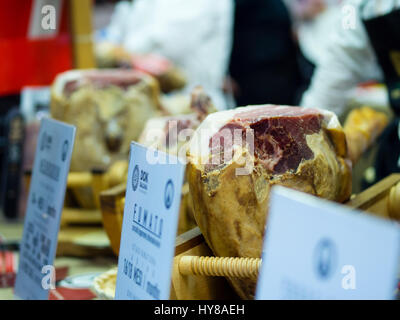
(46, 141)
(64, 150)
(169, 194)
(135, 178)
(325, 256)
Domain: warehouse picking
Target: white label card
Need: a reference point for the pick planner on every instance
(149, 226)
(45, 203)
(316, 249)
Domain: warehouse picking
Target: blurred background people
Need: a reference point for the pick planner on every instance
(364, 45)
(267, 65)
(251, 41)
(313, 21)
(194, 35)
(264, 54)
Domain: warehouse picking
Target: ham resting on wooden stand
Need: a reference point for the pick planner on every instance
(303, 149)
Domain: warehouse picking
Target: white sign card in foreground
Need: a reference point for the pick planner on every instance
(45, 203)
(149, 226)
(315, 249)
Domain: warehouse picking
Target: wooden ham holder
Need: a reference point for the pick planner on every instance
(198, 275)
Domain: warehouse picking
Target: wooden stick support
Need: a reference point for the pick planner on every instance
(79, 179)
(220, 266)
(394, 202)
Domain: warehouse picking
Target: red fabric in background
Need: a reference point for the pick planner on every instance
(30, 62)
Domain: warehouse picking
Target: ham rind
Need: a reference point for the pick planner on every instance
(258, 113)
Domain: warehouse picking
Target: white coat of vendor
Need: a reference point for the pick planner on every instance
(368, 50)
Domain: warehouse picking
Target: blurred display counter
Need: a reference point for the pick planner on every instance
(83, 253)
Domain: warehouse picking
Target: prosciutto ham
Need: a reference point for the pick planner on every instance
(303, 149)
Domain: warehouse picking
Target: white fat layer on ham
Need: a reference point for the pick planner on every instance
(81, 76)
(199, 150)
(155, 129)
(65, 77)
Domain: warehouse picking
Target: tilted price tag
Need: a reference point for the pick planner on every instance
(45, 203)
(149, 226)
(316, 249)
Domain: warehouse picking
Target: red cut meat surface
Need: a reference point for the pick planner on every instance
(174, 127)
(279, 136)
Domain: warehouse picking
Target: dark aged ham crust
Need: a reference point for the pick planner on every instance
(304, 149)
